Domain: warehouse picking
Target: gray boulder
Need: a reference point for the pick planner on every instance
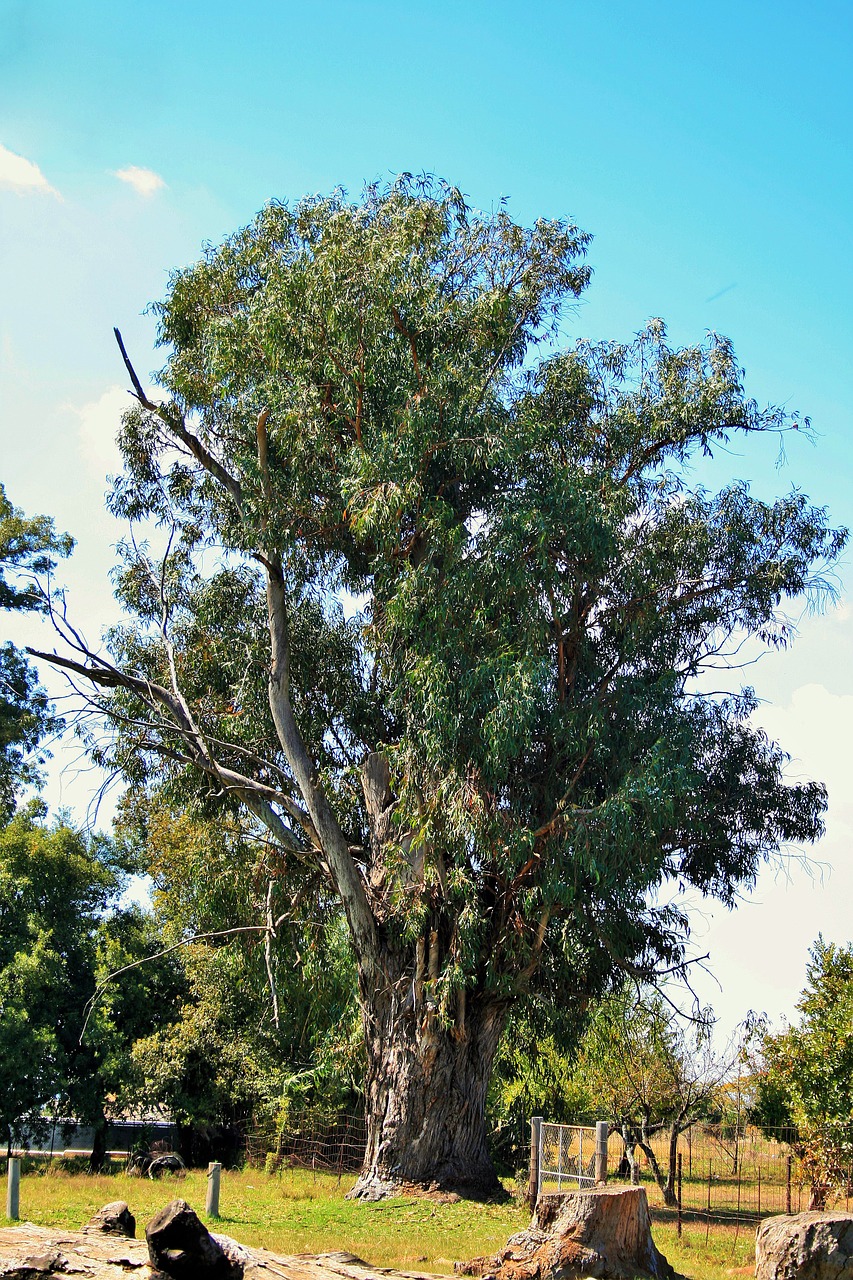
(805, 1246)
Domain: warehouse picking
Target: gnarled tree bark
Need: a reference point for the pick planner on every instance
(426, 1085)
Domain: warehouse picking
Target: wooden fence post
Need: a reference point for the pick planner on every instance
(13, 1189)
(601, 1135)
(708, 1219)
(535, 1149)
(678, 1223)
(214, 1169)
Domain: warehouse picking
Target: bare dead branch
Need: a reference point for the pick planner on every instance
(173, 419)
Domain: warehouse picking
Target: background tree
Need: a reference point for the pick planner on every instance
(433, 599)
(534, 1075)
(649, 1070)
(55, 885)
(135, 990)
(59, 891)
(28, 550)
(805, 1087)
(267, 1009)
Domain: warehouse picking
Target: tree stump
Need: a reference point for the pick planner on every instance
(604, 1233)
(805, 1246)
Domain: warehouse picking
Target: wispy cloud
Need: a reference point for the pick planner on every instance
(22, 175)
(144, 181)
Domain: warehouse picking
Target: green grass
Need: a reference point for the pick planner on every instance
(704, 1253)
(300, 1212)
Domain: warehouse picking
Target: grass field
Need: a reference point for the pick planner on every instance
(299, 1212)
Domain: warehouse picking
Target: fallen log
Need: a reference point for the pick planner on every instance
(181, 1248)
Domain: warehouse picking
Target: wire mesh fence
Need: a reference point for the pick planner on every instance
(310, 1140)
(730, 1173)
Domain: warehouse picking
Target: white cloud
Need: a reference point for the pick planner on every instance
(144, 181)
(759, 952)
(99, 423)
(22, 175)
(816, 728)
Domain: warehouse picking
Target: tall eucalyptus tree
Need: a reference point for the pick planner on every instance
(435, 596)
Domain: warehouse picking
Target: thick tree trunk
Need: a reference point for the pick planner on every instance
(427, 1079)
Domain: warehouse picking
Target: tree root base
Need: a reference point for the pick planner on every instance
(372, 1187)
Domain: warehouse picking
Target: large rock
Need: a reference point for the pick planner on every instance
(805, 1246)
(604, 1233)
(180, 1245)
(115, 1219)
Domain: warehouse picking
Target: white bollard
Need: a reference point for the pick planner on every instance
(214, 1169)
(13, 1189)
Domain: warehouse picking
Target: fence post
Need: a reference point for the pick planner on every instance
(535, 1152)
(678, 1224)
(13, 1189)
(708, 1219)
(214, 1169)
(601, 1134)
(788, 1185)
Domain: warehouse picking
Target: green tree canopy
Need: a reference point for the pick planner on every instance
(805, 1086)
(29, 547)
(268, 1003)
(55, 885)
(431, 596)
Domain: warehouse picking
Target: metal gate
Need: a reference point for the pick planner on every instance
(566, 1156)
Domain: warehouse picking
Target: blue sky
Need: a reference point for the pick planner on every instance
(705, 147)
